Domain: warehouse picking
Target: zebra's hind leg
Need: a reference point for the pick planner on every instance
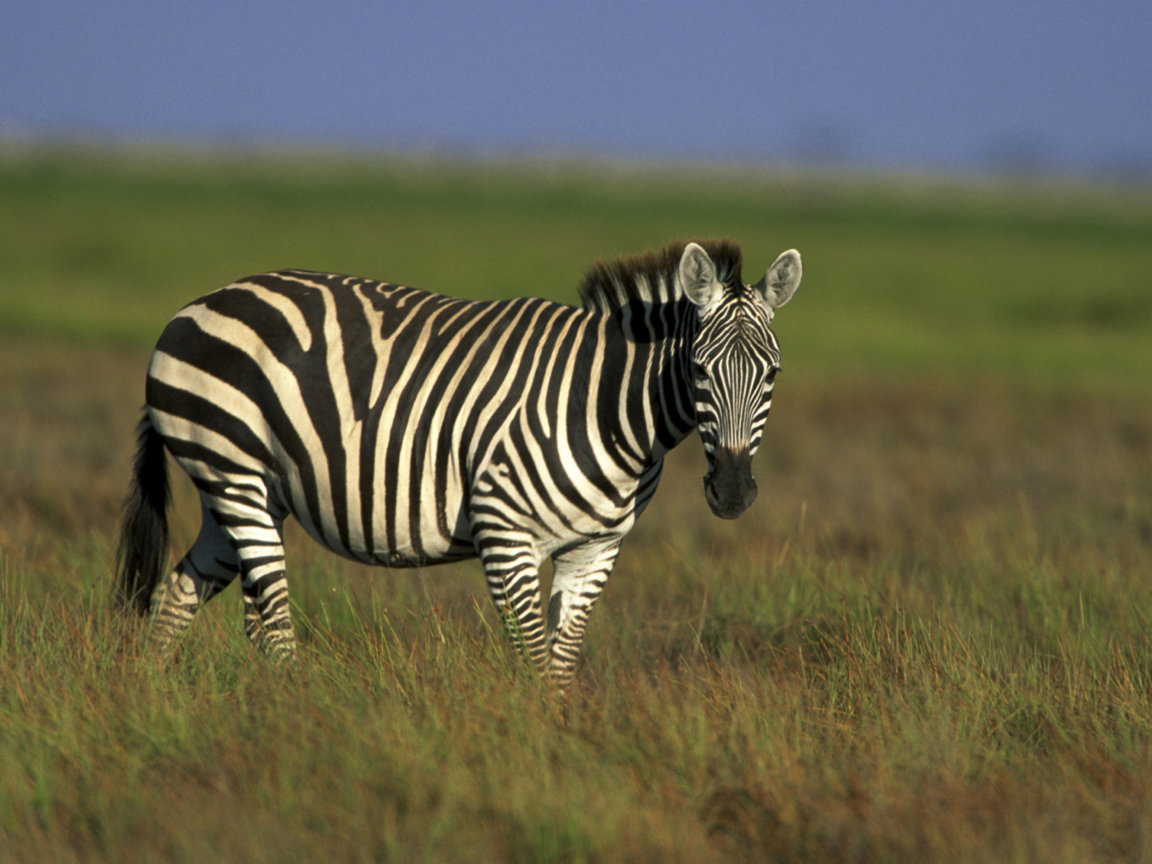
(208, 568)
(578, 578)
(512, 570)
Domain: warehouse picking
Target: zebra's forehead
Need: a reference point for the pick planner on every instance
(738, 328)
(740, 310)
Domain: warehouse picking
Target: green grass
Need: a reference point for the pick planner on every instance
(1046, 283)
(929, 639)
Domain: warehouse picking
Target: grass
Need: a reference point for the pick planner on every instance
(1047, 283)
(928, 640)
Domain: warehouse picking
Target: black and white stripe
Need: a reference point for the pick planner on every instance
(404, 428)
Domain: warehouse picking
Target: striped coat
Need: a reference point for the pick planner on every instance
(404, 428)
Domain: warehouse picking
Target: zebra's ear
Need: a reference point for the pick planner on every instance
(698, 275)
(781, 280)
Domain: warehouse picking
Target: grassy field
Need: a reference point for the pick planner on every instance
(929, 639)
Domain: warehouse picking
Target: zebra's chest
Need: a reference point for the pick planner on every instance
(549, 495)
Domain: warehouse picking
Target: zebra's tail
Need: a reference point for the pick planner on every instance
(142, 554)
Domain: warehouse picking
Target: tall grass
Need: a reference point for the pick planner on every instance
(800, 707)
(928, 639)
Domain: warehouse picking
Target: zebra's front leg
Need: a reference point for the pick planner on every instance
(512, 570)
(578, 578)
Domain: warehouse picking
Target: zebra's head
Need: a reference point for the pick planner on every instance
(734, 361)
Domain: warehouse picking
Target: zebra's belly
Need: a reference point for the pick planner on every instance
(406, 552)
(391, 559)
(391, 533)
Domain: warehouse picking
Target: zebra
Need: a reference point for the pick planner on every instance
(404, 428)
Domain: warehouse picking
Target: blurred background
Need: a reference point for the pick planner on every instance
(152, 151)
(983, 86)
(960, 88)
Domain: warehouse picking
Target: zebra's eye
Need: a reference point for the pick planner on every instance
(701, 375)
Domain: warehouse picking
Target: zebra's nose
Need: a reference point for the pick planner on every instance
(730, 488)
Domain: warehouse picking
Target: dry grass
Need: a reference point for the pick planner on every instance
(928, 640)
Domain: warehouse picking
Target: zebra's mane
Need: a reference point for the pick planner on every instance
(650, 277)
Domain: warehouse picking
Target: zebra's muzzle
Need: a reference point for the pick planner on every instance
(729, 487)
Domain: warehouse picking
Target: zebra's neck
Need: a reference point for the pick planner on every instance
(648, 393)
(645, 401)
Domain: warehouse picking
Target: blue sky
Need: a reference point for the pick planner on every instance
(1063, 87)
